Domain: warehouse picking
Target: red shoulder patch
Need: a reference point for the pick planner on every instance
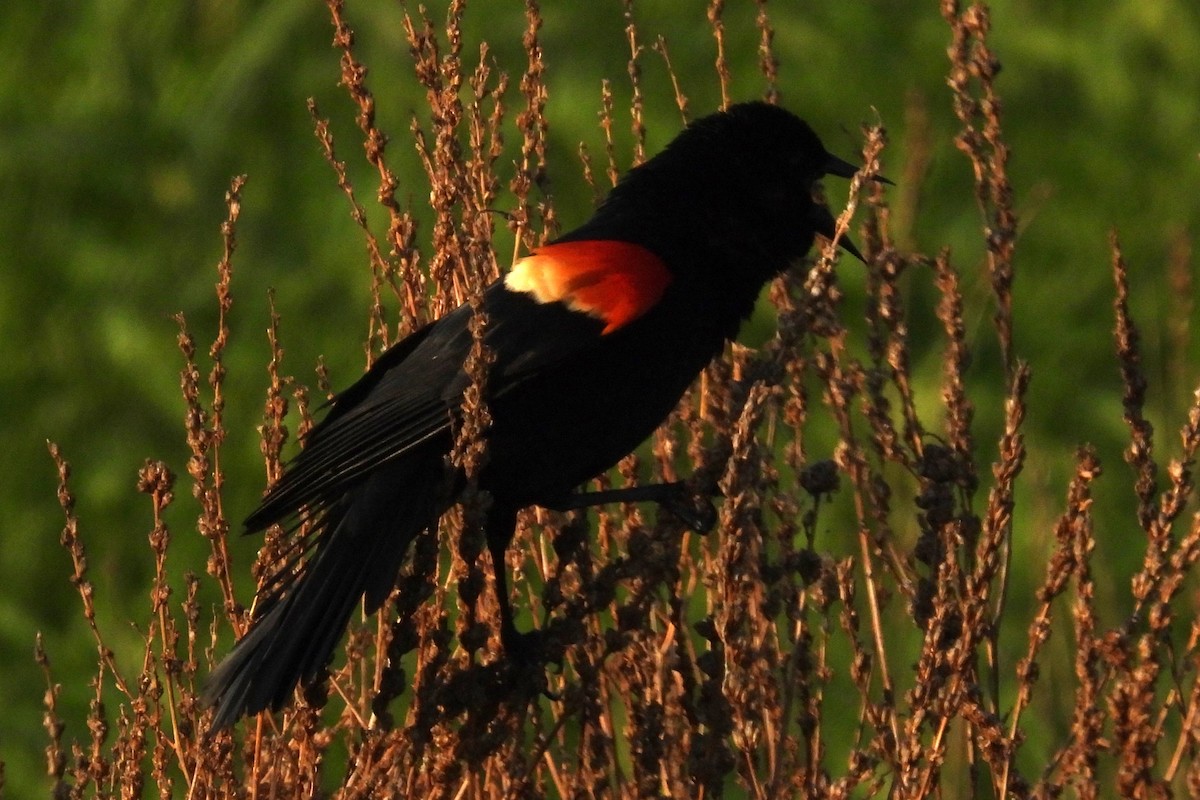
(613, 281)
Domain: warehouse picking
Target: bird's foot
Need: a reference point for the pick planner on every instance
(678, 498)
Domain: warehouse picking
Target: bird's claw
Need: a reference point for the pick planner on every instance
(679, 498)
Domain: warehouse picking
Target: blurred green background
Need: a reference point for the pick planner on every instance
(121, 124)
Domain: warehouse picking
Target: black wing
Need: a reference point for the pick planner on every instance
(410, 396)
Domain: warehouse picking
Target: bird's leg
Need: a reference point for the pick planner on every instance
(695, 511)
(501, 526)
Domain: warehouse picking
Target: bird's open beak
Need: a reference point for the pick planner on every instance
(825, 224)
(844, 169)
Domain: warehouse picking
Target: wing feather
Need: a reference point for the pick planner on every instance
(410, 397)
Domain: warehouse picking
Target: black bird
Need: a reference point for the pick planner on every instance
(595, 337)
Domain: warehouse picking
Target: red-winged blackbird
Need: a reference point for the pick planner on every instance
(594, 336)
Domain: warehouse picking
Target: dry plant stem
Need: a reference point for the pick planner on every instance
(956, 361)
(606, 124)
(881, 716)
(965, 622)
(156, 480)
(205, 425)
(839, 376)
(681, 101)
(739, 582)
(1156, 513)
(1187, 737)
(73, 544)
(1165, 563)
(990, 557)
(852, 460)
(273, 435)
(1186, 552)
(470, 456)
(972, 78)
(56, 758)
(93, 766)
(218, 525)
(462, 262)
(1140, 453)
(634, 70)
(589, 175)
(377, 334)
(401, 229)
(1074, 542)
(531, 166)
(819, 316)
(918, 765)
(973, 70)
(768, 63)
(716, 8)
(441, 79)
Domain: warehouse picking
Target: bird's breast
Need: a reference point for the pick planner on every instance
(566, 424)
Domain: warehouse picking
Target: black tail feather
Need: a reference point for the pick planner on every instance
(359, 550)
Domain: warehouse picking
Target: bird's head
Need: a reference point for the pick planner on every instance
(735, 189)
